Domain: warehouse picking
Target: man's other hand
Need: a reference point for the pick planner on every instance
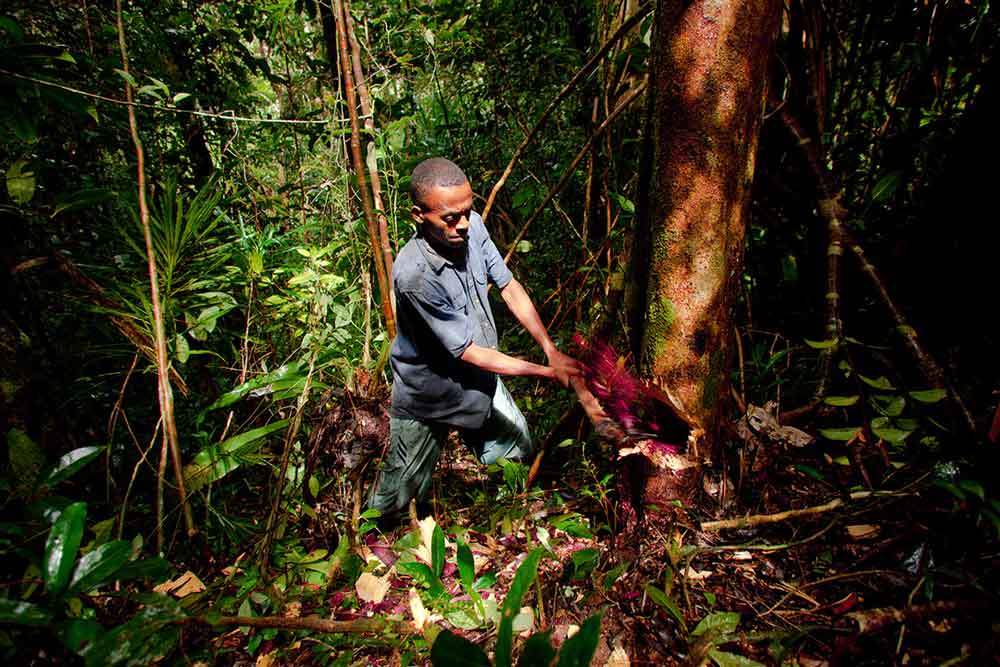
(564, 366)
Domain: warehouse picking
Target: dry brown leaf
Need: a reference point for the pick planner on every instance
(266, 659)
(182, 586)
(618, 658)
(865, 531)
(371, 588)
(293, 609)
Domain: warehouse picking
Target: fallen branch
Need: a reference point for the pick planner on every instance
(761, 519)
(587, 68)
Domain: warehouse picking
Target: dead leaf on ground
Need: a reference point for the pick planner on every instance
(371, 588)
(182, 586)
(865, 531)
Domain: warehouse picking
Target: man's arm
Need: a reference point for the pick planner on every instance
(562, 366)
(496, 361)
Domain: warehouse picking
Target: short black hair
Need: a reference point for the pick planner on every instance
(435, 172)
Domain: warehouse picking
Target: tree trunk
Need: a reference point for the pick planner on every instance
(708, 77)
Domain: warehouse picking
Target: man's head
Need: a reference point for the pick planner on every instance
(442, 202)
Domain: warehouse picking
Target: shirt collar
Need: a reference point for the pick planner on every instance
(435, 260)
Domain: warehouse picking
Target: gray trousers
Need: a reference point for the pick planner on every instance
(415, 447)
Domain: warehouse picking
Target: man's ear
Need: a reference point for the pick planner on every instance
(418, 214)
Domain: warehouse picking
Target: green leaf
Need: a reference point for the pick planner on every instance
(893, 435)
(98, 566)
(146, 639)
(26, 457)
(810, 471)
(462, 616)
(69, 463)
(61, 547)
(180, 97)
(154, 569)
(625, 203)
(584, 562)
(839, 434)
(821, 344)
(66, 57)
(888, 405)
(437, 551)
(723, 659)
(877, 383)
(450, 650)
(886, 186)
(466, 565)
(841, 401)
(81, 199)
(721, 622)
(283, 378)
(662, 599)
(523, 579)
(928, 395)
(78, 633)
(579, 649)
(92, 112)
(524, 247)
(20, 182)
(423, 575)
(18, 612)
(218, 460)
(537, 651)
(181, 348)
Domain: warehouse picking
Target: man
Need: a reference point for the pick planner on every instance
(444, 359)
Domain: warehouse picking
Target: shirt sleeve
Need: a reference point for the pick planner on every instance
(450, 325)
(496, 269)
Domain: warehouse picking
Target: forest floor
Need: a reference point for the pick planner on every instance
(904, 574)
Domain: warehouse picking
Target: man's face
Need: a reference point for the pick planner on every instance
(444, 215)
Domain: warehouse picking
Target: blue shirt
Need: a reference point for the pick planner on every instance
(441, 309)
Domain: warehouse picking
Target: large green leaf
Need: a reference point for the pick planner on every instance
(841, 401)
(283, 378)
(81, 199)
(928, 395)
(723, 659)
(18, 612)
(20, 182)
(450, 650)
(97, 566)
(144, 640)
(839, 434)
(720, 622)
(579, 649)
(437, 551)
(667, 602)
(466, 565)
(69, 463)
(218, 460)
(523, 579)
(78, 633)
(61, 547)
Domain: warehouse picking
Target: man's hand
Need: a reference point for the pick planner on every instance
(564, 366)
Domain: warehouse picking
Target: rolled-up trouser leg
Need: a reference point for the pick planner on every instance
(414, 449)
(505, 434)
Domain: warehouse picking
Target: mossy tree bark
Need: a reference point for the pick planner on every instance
(708, 78)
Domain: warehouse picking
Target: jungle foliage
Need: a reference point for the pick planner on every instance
(880, 118)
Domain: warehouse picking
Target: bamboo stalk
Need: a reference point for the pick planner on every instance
(162, 362)
(359, 167)
(367, 111)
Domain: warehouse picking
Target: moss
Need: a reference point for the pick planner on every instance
(662, 316)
